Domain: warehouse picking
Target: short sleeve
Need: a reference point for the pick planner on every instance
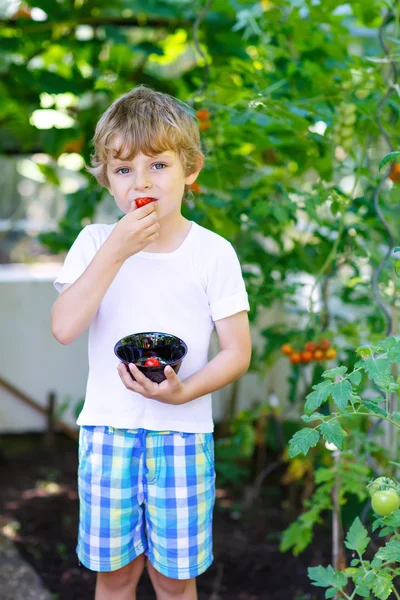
(78, 258)
(226, 289)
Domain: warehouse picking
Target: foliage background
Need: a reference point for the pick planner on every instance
(304, 102)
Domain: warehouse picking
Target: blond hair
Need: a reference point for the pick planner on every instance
(146, 121)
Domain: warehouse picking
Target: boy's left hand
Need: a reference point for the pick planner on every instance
(169, 391)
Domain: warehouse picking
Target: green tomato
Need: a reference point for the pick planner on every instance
(385, 502)
(380, 483)
(362, 93)
(349, 120)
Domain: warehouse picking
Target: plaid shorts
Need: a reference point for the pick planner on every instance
(146, 491)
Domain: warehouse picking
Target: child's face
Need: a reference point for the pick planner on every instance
(161, 177)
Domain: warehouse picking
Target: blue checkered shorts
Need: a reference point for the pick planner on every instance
(146, 492)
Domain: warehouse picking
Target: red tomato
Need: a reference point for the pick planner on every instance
(203, 114)
(324, 344)
(143, 201)
(395, 172)
(295, 358)
(310, 346)
(306, 356)
(152, 362)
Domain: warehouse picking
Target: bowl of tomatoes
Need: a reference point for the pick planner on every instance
(151, 352)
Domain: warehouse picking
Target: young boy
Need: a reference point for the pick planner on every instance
(146, 472)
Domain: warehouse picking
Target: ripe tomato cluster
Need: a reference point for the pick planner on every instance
(317, 351)
(384, 494)
(203, 115)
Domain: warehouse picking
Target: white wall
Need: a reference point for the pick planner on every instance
(32, 360)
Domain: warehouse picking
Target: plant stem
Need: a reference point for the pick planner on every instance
(395, 593)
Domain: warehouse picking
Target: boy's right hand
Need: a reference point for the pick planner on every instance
(136, 230)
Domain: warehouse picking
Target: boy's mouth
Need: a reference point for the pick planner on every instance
(142, 201)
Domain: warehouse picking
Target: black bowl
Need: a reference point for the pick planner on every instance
(138, 347)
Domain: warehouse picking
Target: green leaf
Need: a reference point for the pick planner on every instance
(389, 158)
(364, 352)
(333, 433)
(331, 593)
(363, 591)
(327, 577)
(379, 371)
(318, 396)
(332, 373)
(302, 441)
(355, 378)
(314, 417)
(375, 408)
(376, 563)
(341, 393)
(393, 520)
(357, 537)
(394, 353)
(382, 586)
(390, 552)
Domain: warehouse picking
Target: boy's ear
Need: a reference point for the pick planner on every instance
(191, 178)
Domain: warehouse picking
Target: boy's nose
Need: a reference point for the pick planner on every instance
(141, 181)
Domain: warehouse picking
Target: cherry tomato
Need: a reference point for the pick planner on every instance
(380, 482)
(324, 344)
(330, 354)
(306, 356)
(286, 349)
(195, 187)
(204, 125)
(395, 172)
(385, 502)
(143, 201)
(152, 362)
(310, 346)
(319, 355)
(203, 114)
(295, 358)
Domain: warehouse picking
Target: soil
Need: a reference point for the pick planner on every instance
(39, 502)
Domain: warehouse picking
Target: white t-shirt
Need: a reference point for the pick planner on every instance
(181, 293)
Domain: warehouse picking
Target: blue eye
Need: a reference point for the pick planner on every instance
(123, 169)
(157, 165)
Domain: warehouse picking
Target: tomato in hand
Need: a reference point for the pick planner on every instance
(385, 502)
(152, 362)
(143, 201)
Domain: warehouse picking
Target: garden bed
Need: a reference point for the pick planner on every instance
(38, 499)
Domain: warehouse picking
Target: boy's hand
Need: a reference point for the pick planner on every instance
(136, 230)
(169, 391)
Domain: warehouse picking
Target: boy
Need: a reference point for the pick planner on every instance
(146, 473)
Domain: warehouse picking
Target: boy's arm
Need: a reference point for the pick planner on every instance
(74, 309)
(231, 362)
